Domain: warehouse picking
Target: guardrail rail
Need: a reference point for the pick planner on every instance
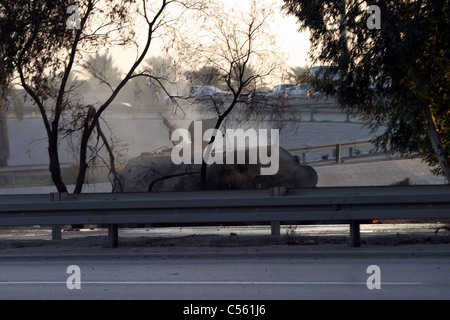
(336, 147)
(348, 205)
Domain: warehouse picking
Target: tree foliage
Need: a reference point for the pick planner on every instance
(206, 76)
(396, 77)
(298, 75)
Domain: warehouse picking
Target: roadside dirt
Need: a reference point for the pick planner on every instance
(36, 239)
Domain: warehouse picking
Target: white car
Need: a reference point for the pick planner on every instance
(205, 93)
(201, 94)
(279, 91)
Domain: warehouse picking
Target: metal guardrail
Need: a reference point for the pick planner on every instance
(39, 175)
(12, 174)
(338, 147)
(278, 206)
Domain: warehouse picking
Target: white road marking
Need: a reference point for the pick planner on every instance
(312, 283)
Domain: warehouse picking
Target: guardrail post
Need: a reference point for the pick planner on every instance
(56, 233)
(113, 235)
(56, 229)
(338, 153)
(347, 118)
(313, 111)
(14, 178)
(355, 235)
(275, 226)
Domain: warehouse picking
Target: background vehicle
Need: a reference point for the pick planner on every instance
(263, 99)
(242, 97)
(280, 90)
(205, 93)
(256, 96)
(298, 92)
(202, 94)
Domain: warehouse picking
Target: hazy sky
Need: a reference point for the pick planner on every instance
(292, 43)
(295, 44)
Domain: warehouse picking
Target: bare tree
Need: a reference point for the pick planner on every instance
(6, 72)
(4, 140)
(238, 46)
(53, 45)
(102, 69)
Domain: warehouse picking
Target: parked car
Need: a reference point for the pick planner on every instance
(256, 96)
(242, 97)
(279, 91)
(201, 94)
(205, 93)
(298, 92)
(263, 99)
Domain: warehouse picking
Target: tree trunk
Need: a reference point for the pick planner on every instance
(83, 164)
(55, 167)
(4, 138)
(203, 172)
(436, 142)
(83, 151)
(204, 167)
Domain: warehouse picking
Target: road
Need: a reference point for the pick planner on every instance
(226, 276)
(28, 137)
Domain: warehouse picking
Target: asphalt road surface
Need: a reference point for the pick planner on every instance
(238, 276)
(28, 138)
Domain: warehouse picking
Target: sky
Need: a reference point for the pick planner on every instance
(293, 44)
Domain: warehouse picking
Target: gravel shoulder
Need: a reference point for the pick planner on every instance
(410, 238)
